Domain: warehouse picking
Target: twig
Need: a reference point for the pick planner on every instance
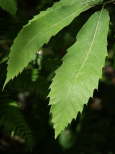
(108, 2)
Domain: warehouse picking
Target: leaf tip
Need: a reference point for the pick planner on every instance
(6, 82)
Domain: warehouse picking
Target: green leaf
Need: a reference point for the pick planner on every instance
(9, 5)
(75, 80)
(40, 29)
(13, 122)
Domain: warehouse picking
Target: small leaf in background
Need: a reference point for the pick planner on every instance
(67, 139)
(9, 5)
(75, 80)
(13, 122)
(40, 29)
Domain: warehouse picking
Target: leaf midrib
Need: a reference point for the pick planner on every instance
(86, 58)
(90, 49)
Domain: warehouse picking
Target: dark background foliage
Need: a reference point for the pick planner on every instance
(25, 121)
